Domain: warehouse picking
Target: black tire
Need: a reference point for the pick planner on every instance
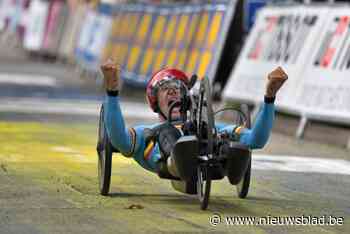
(104, 152)
(242, 187)
(203, 186)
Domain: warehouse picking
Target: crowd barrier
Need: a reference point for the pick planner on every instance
(312, 44)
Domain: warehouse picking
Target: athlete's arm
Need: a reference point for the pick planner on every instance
(122, 138)
(258, 136)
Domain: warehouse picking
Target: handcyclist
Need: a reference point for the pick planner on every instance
(163, 89)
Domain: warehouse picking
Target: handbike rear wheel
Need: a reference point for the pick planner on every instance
(104, 152)
(242, 187)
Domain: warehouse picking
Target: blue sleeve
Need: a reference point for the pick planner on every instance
(121, 138)
(257, 137)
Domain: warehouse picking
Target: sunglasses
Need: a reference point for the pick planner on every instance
(170, 84)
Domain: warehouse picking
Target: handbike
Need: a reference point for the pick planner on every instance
(201, 154)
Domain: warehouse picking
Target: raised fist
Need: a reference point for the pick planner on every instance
(276, 78)
(111, 74)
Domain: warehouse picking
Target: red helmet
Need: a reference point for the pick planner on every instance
(154, 82)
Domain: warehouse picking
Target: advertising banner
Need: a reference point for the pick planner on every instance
(58, 14)
(35, 25)
(72, 29)
(146, 37)
(4, 6)
(93, 38)
(251, 8)
(281, 36)
(324, 92)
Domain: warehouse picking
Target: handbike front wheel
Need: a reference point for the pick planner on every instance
(104, 152)
(206, 114)
(206, 133)
(203, 186)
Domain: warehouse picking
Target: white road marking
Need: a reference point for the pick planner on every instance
(71, 107)
(73, 154)
(33, 80)
(300, 164)
(63, 149)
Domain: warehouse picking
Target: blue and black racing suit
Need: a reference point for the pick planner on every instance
(132, 143)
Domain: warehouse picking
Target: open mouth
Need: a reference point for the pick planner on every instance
(171, 101)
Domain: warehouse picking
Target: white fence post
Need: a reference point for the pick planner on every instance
(301, 127)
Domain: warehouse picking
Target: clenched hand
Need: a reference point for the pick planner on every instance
(276, 78)
(111, 75)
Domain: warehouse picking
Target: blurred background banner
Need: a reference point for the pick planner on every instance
(12, 17)
(324, 91)
(282, 36)
(71, 31)
(55, 23)
(35, 25)
(93, 37)
(142, 37)
(312, 44)
(145, 37)
(3, 14)
(251, 8)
